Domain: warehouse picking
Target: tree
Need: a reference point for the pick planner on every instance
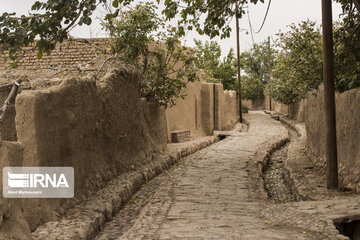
(227, 71)
(50, 21)
(255, 65)
(219, 14)
(57, 17)
(141, 39)
(347, 48)
(299, 64)
(207, 54)
(207, 57)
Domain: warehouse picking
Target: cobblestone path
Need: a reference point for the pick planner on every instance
(208, 197)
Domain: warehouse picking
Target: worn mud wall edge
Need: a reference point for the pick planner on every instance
(108, 201)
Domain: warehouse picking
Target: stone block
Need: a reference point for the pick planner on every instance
(180, 136)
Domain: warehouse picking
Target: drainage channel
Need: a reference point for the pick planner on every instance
(279, 188)
(275, 182)
(349, 226)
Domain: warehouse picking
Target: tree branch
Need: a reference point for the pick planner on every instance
(31, 17)
(12, 95)
(108, 59)
(357, 4)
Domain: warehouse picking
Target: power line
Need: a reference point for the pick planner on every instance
(251, 29)
(263, 22)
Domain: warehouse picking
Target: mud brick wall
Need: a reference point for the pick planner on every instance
(347, 130)
(66, 54)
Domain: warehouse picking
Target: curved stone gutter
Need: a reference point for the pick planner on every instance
(257, 167)
(293, 152)
(86, 219)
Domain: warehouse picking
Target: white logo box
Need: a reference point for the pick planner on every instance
(38, 182)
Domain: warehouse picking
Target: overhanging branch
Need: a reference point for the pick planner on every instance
(357, 4)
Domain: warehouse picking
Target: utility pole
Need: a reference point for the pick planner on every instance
(238, 60)
(329, 96)
(269, 70)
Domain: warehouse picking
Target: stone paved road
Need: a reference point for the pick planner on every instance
(208, 197)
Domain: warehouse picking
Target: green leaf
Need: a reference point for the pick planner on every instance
(39, 54)
(115, 3)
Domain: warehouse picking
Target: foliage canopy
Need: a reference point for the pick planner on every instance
(207, 57)
(299, 63)
(141, 39)
(254, 63)
(347, 48)
(51, 20)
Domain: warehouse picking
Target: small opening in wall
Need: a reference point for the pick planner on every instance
(349, 226)
(222, 136)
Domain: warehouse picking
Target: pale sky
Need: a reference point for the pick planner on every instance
(281, 14)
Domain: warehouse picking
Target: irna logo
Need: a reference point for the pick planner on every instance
(38, 182)
(20, 180)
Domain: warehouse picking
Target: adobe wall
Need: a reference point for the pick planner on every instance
(247, 103)
(186, 114)
(219, 107)
(101, 128)
(11, 215)
(7, 125)
(231, 114)
(311, 111)
(258, 104)
(295, 110)
(347, 129)
(205, 108)
(225, 109)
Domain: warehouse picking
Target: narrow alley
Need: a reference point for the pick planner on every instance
(209, 196)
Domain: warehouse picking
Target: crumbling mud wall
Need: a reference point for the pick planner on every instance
(347, 130)
(207, 108)
(297, 110)
(231, 115)
(7, 125)
(225, 108)
(101, 128)
(219, 104)
(11, 216)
